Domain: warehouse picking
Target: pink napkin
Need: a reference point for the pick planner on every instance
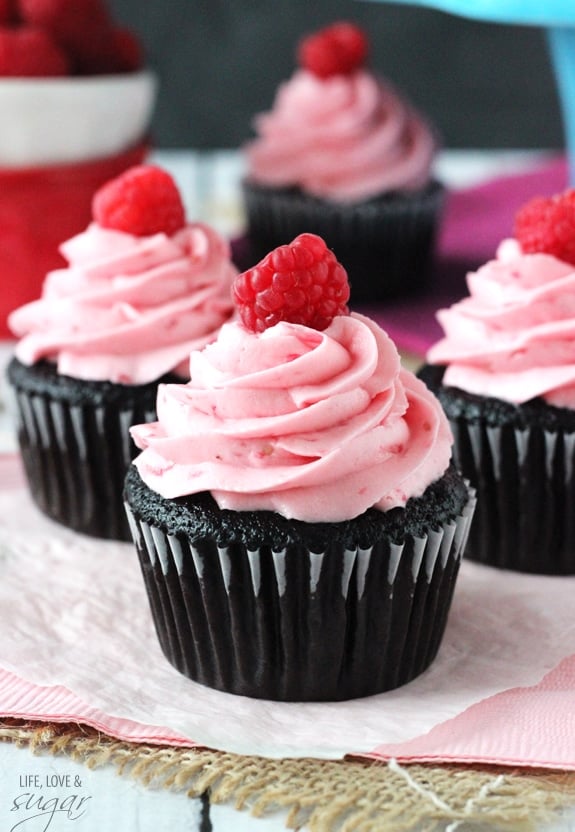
(77, 643)
(531, 725)
(476, 220)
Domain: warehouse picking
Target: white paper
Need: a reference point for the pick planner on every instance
(73, 612)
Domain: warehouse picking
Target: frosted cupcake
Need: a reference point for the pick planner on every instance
(343, 155)
(505, 374)
(297, 520)
(142, 289)
(76, 101)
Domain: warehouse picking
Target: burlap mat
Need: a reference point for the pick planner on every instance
(325, 796)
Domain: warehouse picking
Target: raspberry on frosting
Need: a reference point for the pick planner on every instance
(299, 283)
(338, 49)
(547, 225)
(143, 200)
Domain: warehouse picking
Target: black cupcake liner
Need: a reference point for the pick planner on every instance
(525, 519)
(297, 625)
(386, 244)
(75, 445)
(521, 460)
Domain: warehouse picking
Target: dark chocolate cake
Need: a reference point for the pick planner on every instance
(258, 605)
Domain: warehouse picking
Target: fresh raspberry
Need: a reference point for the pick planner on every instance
(26, 52)
(128, 51)
(142, 201)
(82, 27)
(8, 12)
(301, 283)
(547, 225)
(338, 49)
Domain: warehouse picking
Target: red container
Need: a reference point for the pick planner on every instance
(40, 208)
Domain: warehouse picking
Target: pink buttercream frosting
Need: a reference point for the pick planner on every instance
(129, 309)
(514, 336)
(345, 138)
(318, 426)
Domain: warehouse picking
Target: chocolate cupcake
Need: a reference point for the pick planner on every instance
(258, 605)
(343, 155)
(505, 375)
(298, 524)
(520, 459)
(75, 444)
(142, 289)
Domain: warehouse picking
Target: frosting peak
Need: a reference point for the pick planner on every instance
(129, 309)
(343, 138)
(318, 426)
(514, 336)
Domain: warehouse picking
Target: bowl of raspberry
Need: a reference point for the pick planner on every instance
(76, 101)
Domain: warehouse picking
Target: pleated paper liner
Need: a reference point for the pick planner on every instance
(526, 518)
(293, 624)
(521, 460)
(386, 244)
(75, 444)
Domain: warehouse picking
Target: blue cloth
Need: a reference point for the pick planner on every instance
(534, 12)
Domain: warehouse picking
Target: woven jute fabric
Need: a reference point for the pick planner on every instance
(324, 796)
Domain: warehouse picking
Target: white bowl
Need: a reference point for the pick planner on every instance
(46, 121)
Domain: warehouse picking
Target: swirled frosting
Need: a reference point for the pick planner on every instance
(345, 138)
(318, 426)
(129, 309)
(514, 336)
